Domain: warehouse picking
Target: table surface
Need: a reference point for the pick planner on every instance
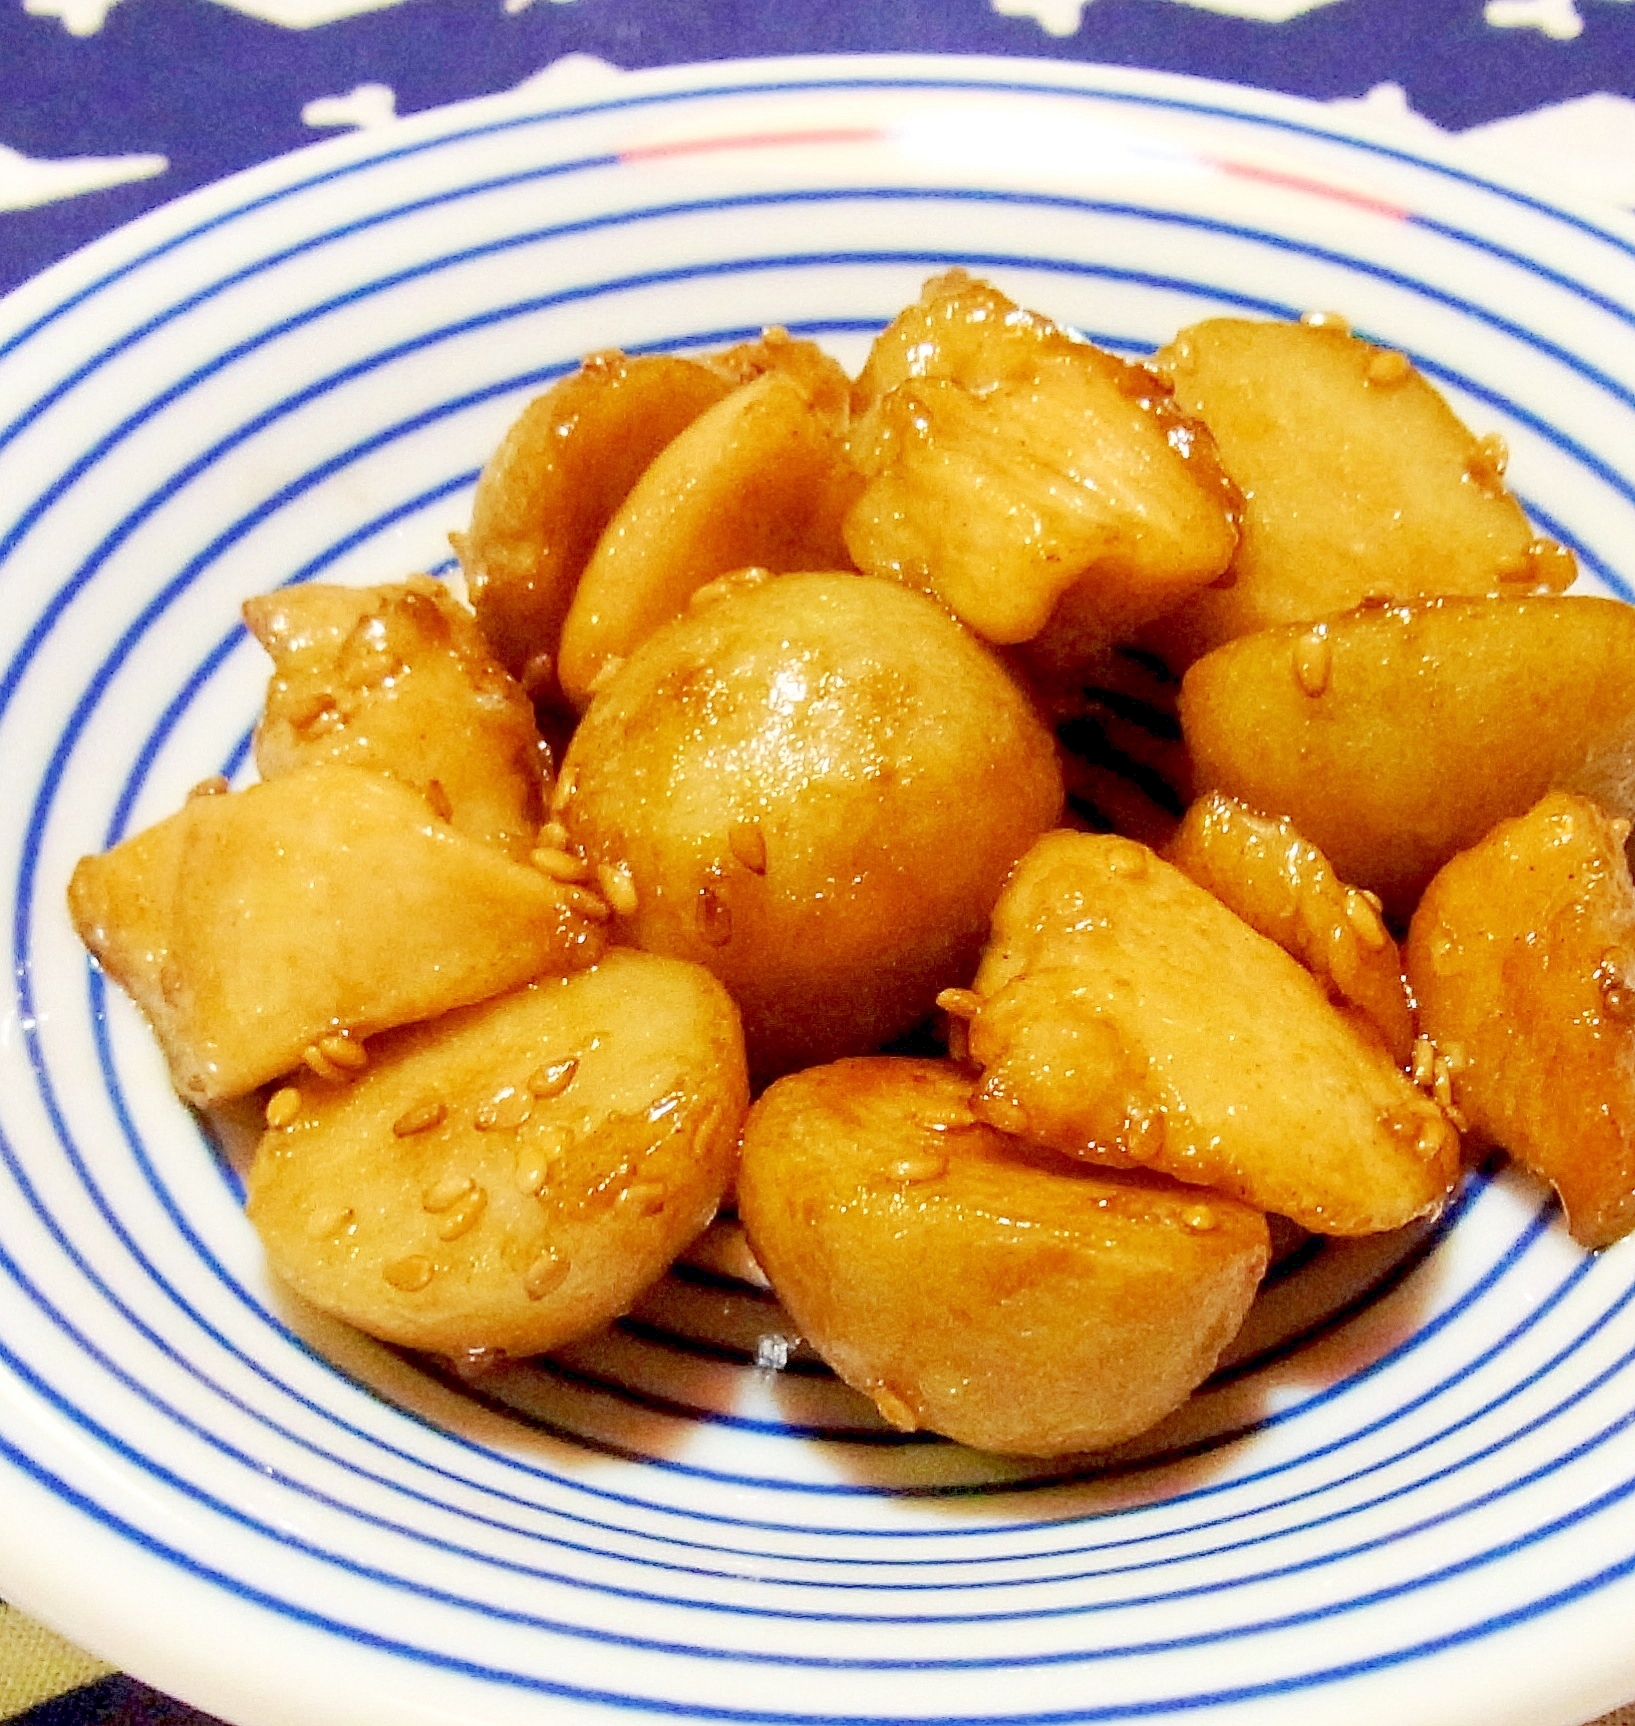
(109, 108)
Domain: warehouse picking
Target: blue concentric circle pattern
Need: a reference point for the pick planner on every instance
(1410, 1491)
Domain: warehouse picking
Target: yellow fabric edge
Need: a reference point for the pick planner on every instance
(36, 1664)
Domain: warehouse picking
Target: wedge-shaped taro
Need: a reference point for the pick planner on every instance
(973, 1284)
(329, 904)
(1358, 479)
(815, 787)
(1032, 481)
(554, 483)
(1123, 1014)
(1395, 736)
(515, 1174)
(400, 679)
(761, 480)
(1285, 888)
(1522, 955)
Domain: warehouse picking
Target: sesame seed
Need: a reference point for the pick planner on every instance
(214, 786)
(960, 1003)
(283, 1106)
(1364, 920)
(710, 593)
(1485, 465)
(562, 791)
(559, 865)
(894, 1408)
(553, 836)
(713, 916)
(548, 1272)
(1314, 660)
(586, 903)
(445, 1194)
(1554, 566)
(1326, 321)
(707, 1124)
(553, 1078)
(420, 1119)
(464, 1216)
(1442, 1086)
(1424, 1062)
(1144, 1136)
(1388, 367)
(645, 1198)
(325, 1225)
(618, 887)
(471, 1364)
(1433, 1137)
(533, 1175)
(1127, 860)
(344, 1052)
(314, 1057)
(539, 1164)
(438, 798)
(958, 1040)
(1200, 1219)
(409, 1275)
(918, 1167)
(747, 843)
(954, 1119)
(725, 586)
(508, 1110)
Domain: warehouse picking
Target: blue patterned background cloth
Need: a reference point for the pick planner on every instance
(111, 107)
(108, 107)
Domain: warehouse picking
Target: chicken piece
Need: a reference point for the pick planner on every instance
(1122, 1014)
(1035, 483)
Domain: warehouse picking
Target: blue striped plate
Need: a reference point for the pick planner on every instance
(1409, 1494)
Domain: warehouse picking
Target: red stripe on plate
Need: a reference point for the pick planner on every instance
(1317, 188)
(755, 141)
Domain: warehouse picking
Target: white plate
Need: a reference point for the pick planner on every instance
(1412, 1498)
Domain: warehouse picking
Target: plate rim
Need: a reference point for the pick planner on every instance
(1068, 76)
